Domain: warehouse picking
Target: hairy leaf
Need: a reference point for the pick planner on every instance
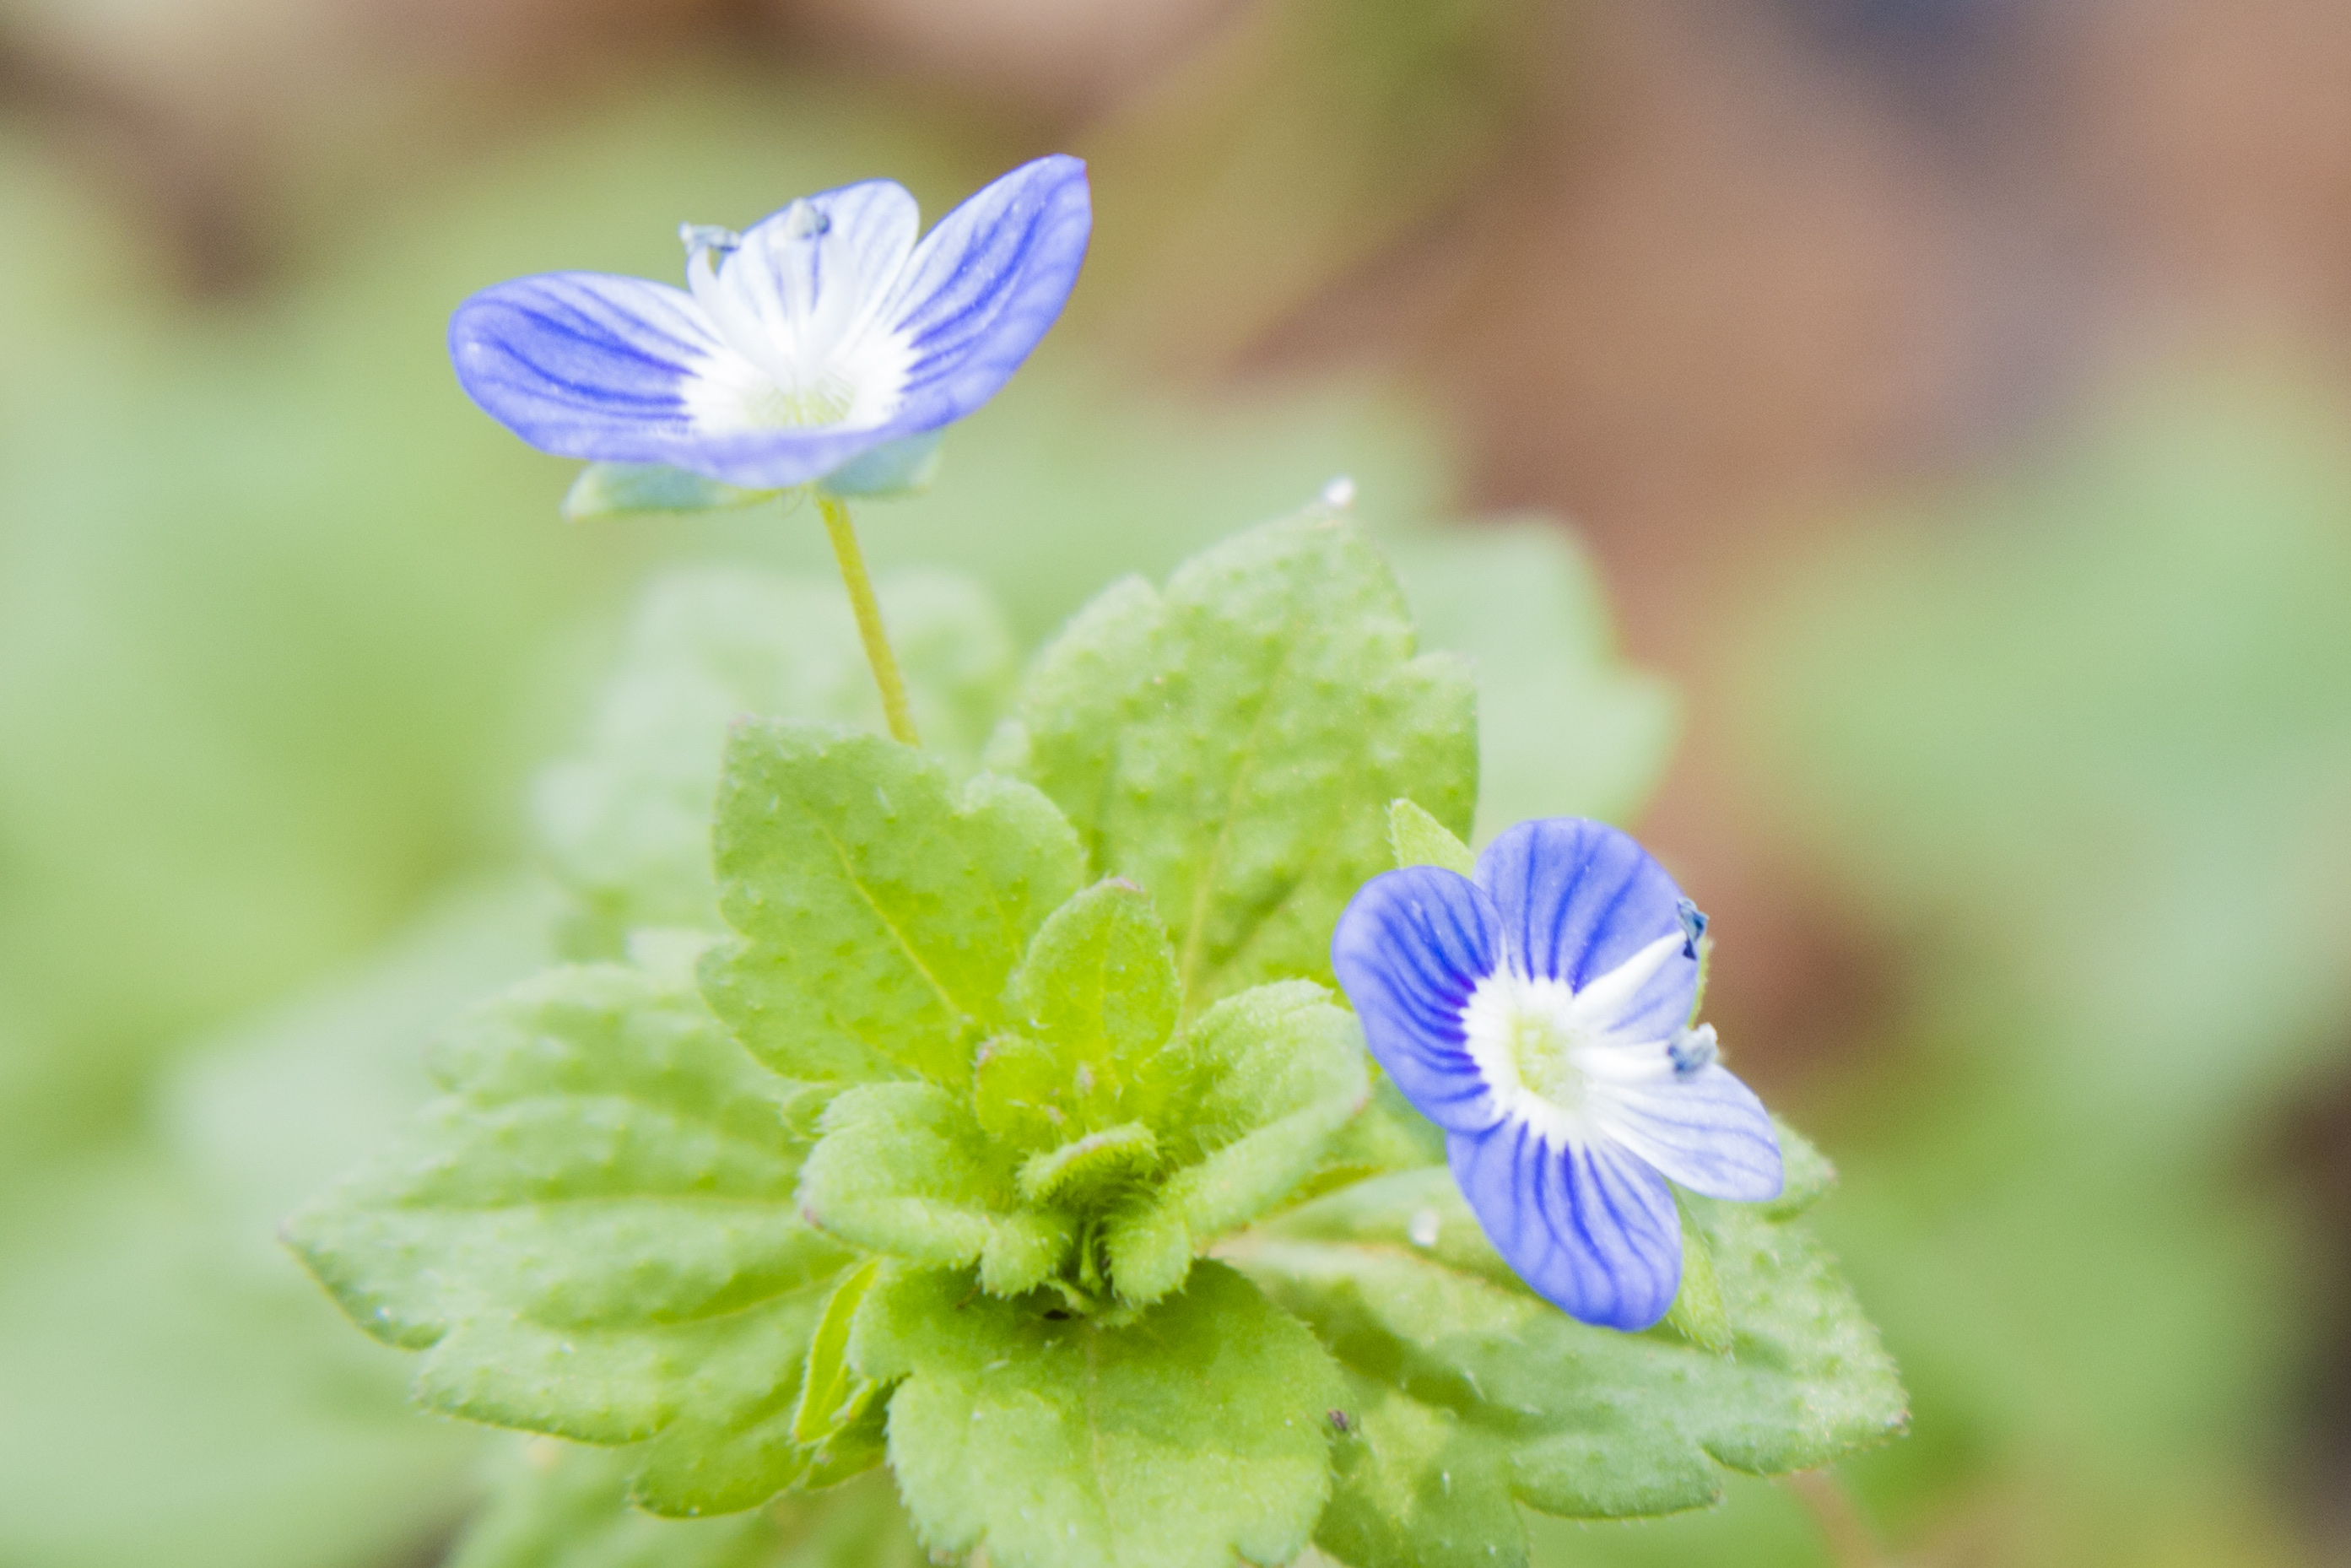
(592, 1235)
(1193, 1435)
(1466, 1393)
(879, 909)
(904, 1169)
(1232, 744)
(626, 824)
(1277, 1070)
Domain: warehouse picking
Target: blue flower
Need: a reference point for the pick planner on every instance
(819, 334)
(1540, 1013)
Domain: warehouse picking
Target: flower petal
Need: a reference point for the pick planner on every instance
(1409, 948)
(1579, 899)
(1588, 1227)
(985, 286)
(1707, 1130)
(805, 288)
(585, 365)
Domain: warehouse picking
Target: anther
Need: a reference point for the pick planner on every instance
(1692, 1051)
(1693, 925)
(699, 237)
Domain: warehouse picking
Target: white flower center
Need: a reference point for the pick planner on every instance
(1525, 1036)
(798, 322)
(1552, 1055)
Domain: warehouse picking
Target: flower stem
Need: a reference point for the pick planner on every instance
(869, 619)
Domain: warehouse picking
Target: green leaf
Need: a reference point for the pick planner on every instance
(555, 1505)
(1232, 744)
(628, 490)
(904, 1168)
(1099, 987)
(881, 910)
(1418, 839)
(593, 1234)
(1278, 1070)
(626, 824)
(1468, 1394)
(1188, 1436)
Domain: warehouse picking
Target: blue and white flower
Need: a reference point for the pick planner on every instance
(1540, 1012)
(817, 335)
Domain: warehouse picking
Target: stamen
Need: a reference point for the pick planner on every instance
(1692, 1051)
(1693, 925)
(700, 238)
(802, 221)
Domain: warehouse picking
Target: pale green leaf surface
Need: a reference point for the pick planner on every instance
(1190, 1437)
(593, 1234)
(1232, 744)
(1469, 1394)
(879, 909)
(1099, 987)
(627, 824)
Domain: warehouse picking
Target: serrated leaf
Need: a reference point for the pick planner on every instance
(1468, 1395)
(626, 824)
(1232, 744)
(880, 910)
(1184, 1439)
(904, 1169)
(1418, 839)
(593, 1234)
(1279, 1070)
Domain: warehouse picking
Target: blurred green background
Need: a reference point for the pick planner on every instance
(1949, 401)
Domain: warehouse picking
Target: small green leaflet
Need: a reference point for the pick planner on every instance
(593, 1234)
(1415, 838)
(556, 1505)
(626, 823)
(1193, 1434)
(1232, 743)
(1467, 1395)
(879, 909)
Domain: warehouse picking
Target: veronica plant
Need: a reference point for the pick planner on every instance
(824, 347)
(1002, 1125)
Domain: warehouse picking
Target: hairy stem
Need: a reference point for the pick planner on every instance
(869, 619)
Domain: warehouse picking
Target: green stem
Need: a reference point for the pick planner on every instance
(869, 619)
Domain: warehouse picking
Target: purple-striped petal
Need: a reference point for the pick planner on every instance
(1705, 1130)
(1578, 899)
(984, 286)
(1586, 1225)
(586, 365)
(1409, 949)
